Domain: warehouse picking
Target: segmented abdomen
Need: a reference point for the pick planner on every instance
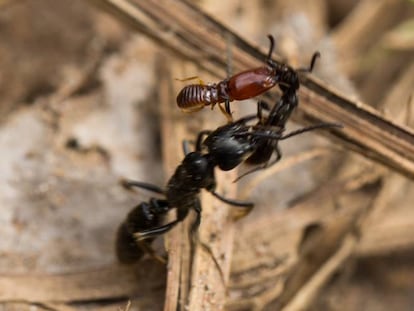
(194, 97)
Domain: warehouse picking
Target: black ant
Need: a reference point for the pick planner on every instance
(227, 146)
(244, 85)
(144, 222)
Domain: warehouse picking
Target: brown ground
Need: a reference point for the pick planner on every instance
(80, 99)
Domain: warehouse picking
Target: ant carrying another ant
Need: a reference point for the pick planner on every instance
(227, 147)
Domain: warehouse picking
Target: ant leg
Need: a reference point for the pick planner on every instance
(311, 128)
(260, 110)
(129, 250)
(242, 204)
(261, 105)
(277, 159)
(126, 248)
(200, 138)
(146, 234)
(201, 82)
(226, 111)
(246, 206)
(262, 167)
(158, 207)
(249, 172)
(197, 221)
(227, 106)
(128, 184)
(146, 248)
(276, 136)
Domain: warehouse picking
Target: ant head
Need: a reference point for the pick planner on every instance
(289, 79)
(315, 56)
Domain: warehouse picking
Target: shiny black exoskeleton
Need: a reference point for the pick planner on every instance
(144, 222)
(144, 216)
(228, 145)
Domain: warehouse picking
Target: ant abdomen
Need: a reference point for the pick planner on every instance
(127, 249)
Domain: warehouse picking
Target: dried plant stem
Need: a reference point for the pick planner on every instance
(306, 256)
(310, 290)
(287, 163)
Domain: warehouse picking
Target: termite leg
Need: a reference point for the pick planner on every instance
(228, 115)
(201, 82)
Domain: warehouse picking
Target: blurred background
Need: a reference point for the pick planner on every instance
(80, 109)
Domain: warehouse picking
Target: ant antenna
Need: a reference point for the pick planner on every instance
(242, 204)
(271, 47)
(250, 172)
(315, 56)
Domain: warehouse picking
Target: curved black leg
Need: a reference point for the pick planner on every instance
(150, 251)
(311, 128)
(146, 234)
(262, 105)
(186, 147)
(200, 139)
(242, 204)
(226, 110)
(143, 185)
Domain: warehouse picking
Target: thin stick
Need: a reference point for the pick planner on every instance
(284, 164)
